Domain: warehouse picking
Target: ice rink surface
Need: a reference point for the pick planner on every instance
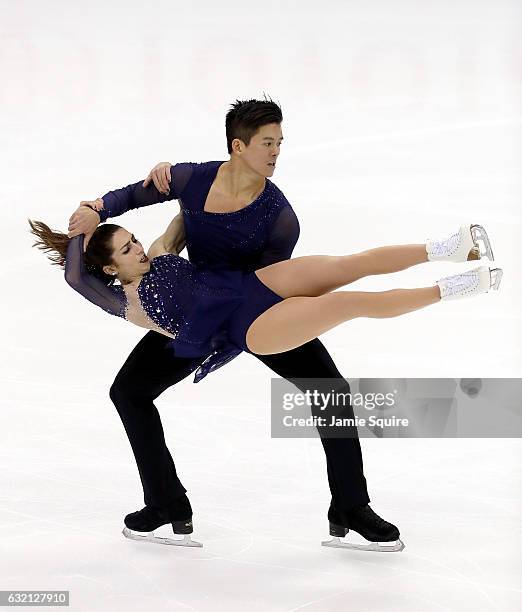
(402, 120)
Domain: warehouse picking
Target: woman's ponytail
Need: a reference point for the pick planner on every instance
(53, 243)
(98, 252)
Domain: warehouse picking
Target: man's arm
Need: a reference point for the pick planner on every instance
(282, 238)
(113, 204)
(171, 241)
(120, 201)
(145, 193)
(136, 195)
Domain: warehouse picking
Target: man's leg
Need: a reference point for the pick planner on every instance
(343, 454)
(149, 370)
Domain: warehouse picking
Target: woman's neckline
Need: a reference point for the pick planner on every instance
(137, 286)
(232, 212)
(149, 272)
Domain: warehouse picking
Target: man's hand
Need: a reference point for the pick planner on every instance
(160, 175)
(84, 220)
(96, 204)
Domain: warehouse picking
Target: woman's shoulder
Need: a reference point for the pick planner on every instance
(169, 261)
(169, 257)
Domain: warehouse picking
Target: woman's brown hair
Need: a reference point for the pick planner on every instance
(98, 252)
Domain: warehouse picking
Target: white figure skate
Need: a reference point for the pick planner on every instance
(458, 246)
(467, 284)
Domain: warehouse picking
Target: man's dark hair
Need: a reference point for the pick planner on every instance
(245, 118)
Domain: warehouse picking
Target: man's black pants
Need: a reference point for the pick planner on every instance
(150, 369)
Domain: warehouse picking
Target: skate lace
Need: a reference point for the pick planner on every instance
(445, 247)
(460, 282)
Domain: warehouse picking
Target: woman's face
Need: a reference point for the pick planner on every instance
(129, 260)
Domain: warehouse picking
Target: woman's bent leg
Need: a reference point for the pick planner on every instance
(316, 275)
(297, 320)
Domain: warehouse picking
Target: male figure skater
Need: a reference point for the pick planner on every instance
(232, 217)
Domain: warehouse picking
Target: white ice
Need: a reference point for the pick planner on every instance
(402, 120)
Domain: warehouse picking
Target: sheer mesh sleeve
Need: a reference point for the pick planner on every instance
(111, 299)
(282, 238)
(119, 201)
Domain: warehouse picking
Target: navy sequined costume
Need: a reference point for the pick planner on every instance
(261, 233)
(207, 312)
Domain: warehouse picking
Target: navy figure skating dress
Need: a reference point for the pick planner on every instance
(207, 313)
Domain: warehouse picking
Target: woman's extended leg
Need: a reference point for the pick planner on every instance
(316, 275)
(297, 320)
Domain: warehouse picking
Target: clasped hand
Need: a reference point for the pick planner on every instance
(85, 219)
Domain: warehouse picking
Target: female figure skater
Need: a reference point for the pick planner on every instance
(274, 309)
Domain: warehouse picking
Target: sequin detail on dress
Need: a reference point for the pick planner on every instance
(192, 306)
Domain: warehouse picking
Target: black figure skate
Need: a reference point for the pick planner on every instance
(367, 523)
(140, 525)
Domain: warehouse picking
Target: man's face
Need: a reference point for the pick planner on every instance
(264, 149)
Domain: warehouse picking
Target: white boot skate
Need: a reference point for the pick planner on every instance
(458, 246)
(474, 282)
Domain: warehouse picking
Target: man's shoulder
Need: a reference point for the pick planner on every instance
(279, 197)
(204, 164)
(199, 168)
(183, 173)
(197, 165)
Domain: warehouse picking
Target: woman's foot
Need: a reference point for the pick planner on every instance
(464, 245)
(470, 283)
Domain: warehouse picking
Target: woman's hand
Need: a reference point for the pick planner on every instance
(160, 175)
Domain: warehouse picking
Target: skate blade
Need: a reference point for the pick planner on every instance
(496, 277)
(372, 546)
(480, 235)
(150, 537)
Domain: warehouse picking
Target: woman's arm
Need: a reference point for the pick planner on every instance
(172, 241)
(111, 299)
